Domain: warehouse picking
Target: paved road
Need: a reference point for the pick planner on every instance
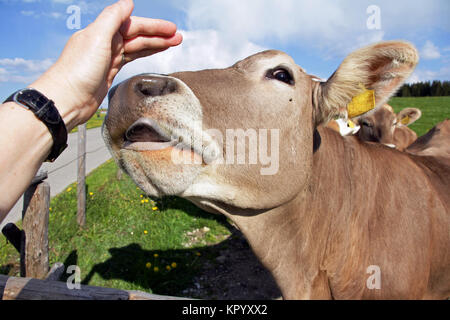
(64, 170)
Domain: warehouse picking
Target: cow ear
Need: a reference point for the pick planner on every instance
(378, 70)
(408, 116)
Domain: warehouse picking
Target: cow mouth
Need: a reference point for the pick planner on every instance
(146, 135)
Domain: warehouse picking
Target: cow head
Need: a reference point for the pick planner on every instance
(171, 133)
(384, 126)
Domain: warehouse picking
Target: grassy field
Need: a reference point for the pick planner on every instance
(131, 242)
(434, 110)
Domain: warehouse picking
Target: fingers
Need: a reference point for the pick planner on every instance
(112, 17)
(144, 53)
(151, 43)
(138, 26)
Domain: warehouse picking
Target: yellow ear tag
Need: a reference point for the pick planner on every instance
(351, 124)
(405, 121)
(361, 104)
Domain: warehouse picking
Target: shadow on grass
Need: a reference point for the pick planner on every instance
(197, 273)
(227, 270)
(71, 260)
(5, 269)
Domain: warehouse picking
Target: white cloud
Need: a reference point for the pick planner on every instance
(422, 75)
(334, 27)
(430, 51)
(3, 71)
(27, 13)
(24, 65)
(34, 14)
(54, 15)
(21, 70)
(202, 49)
(323, 24)
(7, 76)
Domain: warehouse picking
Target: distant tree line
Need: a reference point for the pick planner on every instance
(425, 89)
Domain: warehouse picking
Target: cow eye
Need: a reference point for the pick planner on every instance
(282, 75)
(366, 123)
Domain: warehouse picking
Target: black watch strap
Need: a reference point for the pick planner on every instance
(44, 109)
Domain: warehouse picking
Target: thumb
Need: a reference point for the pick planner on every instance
(112, 17)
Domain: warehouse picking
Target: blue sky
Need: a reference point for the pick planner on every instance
(317, 34)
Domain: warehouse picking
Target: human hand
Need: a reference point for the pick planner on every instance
(81, 77)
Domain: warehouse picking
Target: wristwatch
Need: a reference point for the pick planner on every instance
(44, 109)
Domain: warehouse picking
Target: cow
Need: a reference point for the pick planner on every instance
(337, 218)
(384, 126)
(435, 142)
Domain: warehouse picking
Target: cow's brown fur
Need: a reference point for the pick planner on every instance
(336, 206)
(435, 142)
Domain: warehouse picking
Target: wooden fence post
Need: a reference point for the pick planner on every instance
(34, 240)
(119, 174)
(81, 183)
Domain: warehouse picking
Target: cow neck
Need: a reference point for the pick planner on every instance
(295, 238)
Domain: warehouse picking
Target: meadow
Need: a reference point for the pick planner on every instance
(434, 110)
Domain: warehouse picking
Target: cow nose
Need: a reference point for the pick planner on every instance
(155, 86)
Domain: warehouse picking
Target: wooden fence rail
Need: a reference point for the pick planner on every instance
(12, 288)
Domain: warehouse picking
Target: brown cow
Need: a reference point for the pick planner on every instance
(338, 218)
(435, 142)
(384, 126)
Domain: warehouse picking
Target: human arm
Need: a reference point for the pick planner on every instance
(77, 83)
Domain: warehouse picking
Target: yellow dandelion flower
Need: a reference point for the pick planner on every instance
(142, 201)
(174, 265)
(168, 268)
(146, 200)
(50, 209)
(142, 195)
(156, 255)
(148, 265)
(91, 194)
(145, 231)
(155, 269)
(155, 208)
(69, 189)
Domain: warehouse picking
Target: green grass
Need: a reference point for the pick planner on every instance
(94, 122)
(122, 235)
(434, 110)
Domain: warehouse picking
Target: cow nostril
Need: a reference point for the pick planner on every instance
(156, 86)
